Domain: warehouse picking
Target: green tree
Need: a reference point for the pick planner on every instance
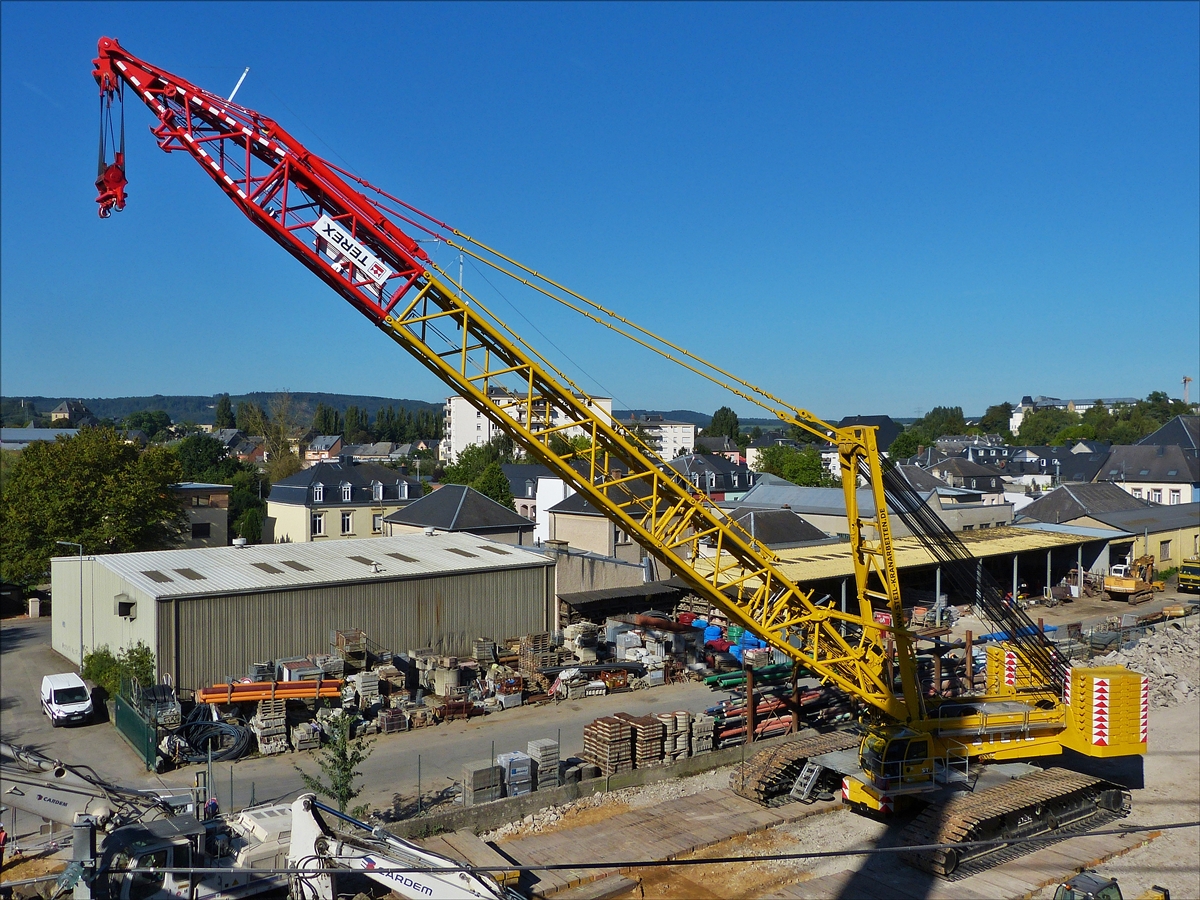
(473, 460)
(492, 483)
(339, 761)
(106, 669)
(803, 467)
(224, 417)
(995, 420)
(1073, 433)
(357, 429)
(942, 420)
(92, 488)
(250, 418)
(1039, 426)
(153, 422)
(250, 525)
(203, 458)
(724, 422)
(907, 444)
(326, 420)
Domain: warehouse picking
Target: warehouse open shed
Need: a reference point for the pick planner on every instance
(208, 613)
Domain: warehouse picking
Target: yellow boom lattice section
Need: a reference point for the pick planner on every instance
(467, 347)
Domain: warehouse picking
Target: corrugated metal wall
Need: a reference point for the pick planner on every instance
(221, 636)
(101, 625)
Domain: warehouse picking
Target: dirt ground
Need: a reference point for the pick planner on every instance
(32, 866)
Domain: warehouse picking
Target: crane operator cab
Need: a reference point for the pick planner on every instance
(895, 761)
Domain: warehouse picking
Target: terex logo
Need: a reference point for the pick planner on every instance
(54, 800)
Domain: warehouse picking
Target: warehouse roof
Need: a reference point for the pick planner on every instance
(266, 567)
(807, 564)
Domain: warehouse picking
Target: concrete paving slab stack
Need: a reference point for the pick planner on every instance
(518, 773)
(608, 744)
(544, 755)
(483, 782)
(683, 731)
(702, 733)
(647, 740)
(269, 725)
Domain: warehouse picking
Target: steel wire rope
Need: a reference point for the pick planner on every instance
(666, 863)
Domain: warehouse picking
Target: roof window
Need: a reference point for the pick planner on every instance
(267, 567)
(155, 575)
(190, 574)
(463, 552)
(292, 564)
(402, 557)
(1171, 472)
(495, 550)
(363, 560)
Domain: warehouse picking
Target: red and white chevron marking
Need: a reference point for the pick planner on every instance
(846, 789)
(1067, 687)
(1010, 668)
(1100, 707)
(1144, 728)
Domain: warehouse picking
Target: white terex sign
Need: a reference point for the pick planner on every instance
(338, 242)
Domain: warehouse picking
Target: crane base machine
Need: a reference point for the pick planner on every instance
(363, 243)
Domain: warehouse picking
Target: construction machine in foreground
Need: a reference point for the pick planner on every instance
(1133, 583)
(363, 243)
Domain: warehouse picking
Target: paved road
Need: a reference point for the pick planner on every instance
(391, 770)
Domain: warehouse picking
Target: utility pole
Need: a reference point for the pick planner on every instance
(1186, 379)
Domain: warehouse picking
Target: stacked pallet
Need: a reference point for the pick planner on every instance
(485, 650)
(350, 645)
(269, 725)
(702, 733)
(683, 730)
(648, 733)
(518, 773)
(366, 684)
(482, 782)
(306, 736)
(392, 721)
(543, 754)
(608, 744)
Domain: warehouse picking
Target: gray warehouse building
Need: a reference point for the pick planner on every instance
(208, 613)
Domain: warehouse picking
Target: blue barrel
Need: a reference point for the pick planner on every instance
(712, 633)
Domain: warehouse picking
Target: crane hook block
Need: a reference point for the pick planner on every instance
(111, 187)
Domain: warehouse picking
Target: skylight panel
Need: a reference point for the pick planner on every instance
(267, 567)
(155, 575)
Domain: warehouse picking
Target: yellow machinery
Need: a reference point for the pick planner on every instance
(1133, 583)
(357, 242)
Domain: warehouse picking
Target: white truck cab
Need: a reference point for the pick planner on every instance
(65, 698)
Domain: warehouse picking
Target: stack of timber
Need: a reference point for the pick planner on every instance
(608, 744)
(269, 725)
(543, 754)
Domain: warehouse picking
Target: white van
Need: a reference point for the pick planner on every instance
(65, 698)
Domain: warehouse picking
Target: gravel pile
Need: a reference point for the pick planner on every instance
(1170, 655)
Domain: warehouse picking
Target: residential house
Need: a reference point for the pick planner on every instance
(336, 499)
(962, 473)
(456, 507)
(229, 437)
(1170, 534)
(466, 426)
(71, 413)
(378, 452)
(715, 476)
(252, 450)
(575, 522)
(668, 438)
(1160, 473)
(523, 483)
(207, 509)
(412, 448)
(323, 447)
(1181, 431)
(718, 445)
(886, 428)
(767, 439)
(1069, 502)
(1029, 404)
(1045, 467)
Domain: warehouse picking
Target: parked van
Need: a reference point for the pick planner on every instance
(65, 698)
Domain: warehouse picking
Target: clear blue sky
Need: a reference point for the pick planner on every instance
(865, 208)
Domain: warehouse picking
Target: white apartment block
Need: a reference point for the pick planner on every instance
(465, 425)
(673, 439)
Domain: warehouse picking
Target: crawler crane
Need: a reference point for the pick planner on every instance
(362, 242)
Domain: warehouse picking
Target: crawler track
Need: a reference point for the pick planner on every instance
(771, 773)
(1055, 801)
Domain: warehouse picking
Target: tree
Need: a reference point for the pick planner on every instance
(942, 420)
(203, 458)
(357, 426)
(995, 420)
(473, 460)
(907, 444)
(92, 488)
(135, 663)
(493, 483)
(250, 525)
(326, 420)
(1039, 426)
(153, 422)
(250, 417)
(803, 467)
(224, 417)
(339, 761)
(724, 422)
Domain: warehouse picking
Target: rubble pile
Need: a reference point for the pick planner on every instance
(1170, 655)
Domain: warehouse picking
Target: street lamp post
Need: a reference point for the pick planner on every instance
(78, 547)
